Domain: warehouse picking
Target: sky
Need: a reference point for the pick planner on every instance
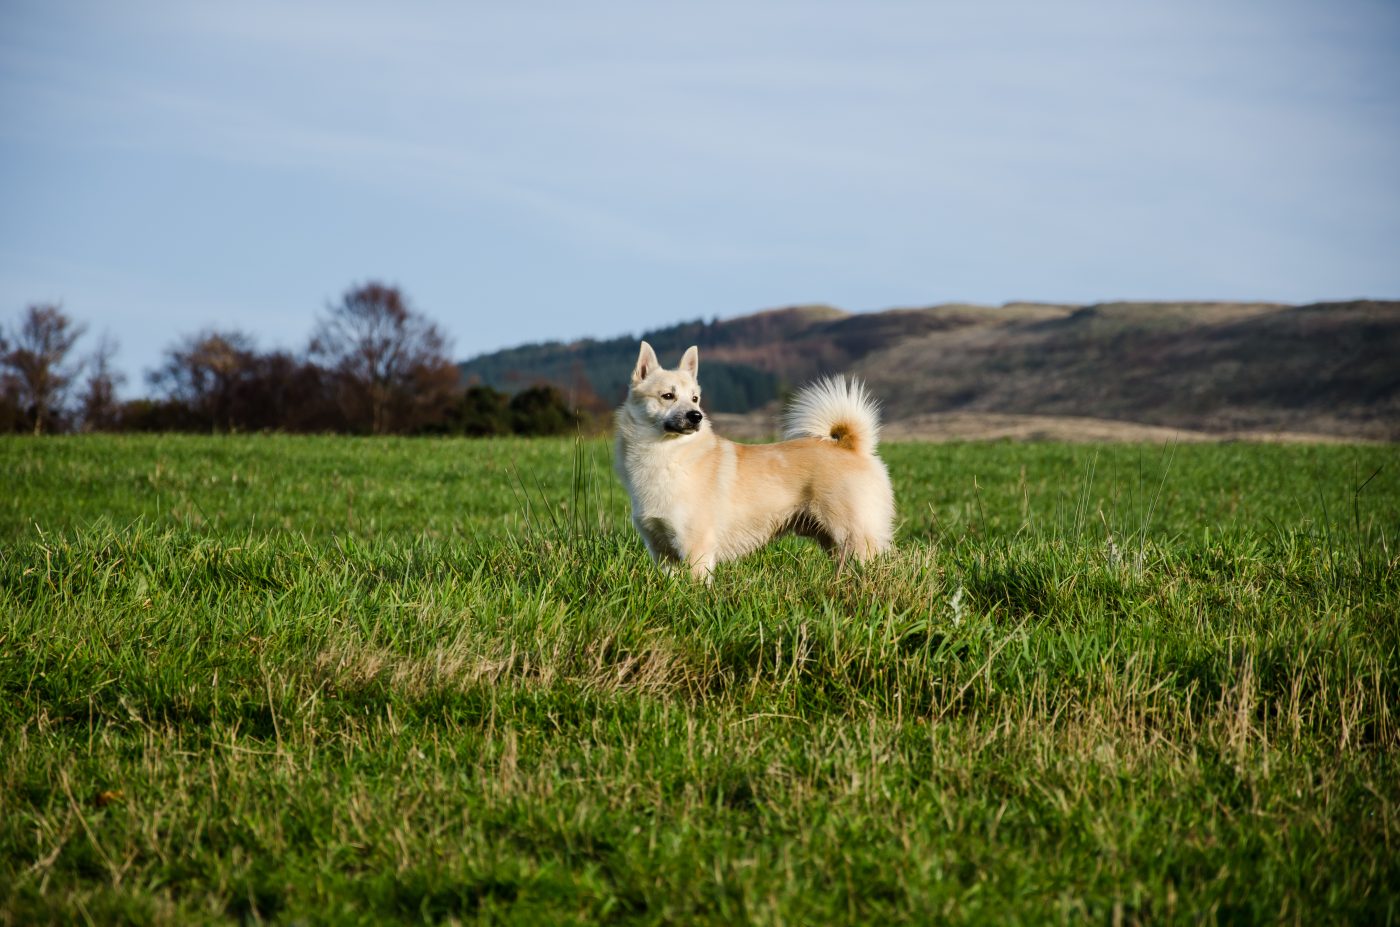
(540, 170)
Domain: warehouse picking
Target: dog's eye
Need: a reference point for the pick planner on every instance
(695, 399)
(668, 396)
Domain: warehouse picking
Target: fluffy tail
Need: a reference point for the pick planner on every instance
(836, 409)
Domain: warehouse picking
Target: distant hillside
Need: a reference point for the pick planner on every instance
(742, 359)
(1328, 369)
(748, 361)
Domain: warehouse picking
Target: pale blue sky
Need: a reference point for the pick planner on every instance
(552, 170)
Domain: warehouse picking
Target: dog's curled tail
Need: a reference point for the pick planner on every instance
(835, 409)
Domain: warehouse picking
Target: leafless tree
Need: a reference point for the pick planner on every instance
(12, 418)
(37, 353)
(98, 405)
(204, 372)
(391, 361)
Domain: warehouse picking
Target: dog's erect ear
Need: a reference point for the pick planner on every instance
(690, 361)
(646, 363)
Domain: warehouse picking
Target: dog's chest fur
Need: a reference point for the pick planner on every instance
(663, 476)
(674, 484)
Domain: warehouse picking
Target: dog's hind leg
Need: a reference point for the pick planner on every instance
(850, 534)
(859, 543)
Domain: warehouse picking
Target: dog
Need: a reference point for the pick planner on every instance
(699, 500)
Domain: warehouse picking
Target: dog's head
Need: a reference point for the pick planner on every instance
(666, 401)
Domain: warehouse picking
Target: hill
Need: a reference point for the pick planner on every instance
(1213, 369)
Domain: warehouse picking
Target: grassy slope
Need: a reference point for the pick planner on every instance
(1211, 367)
(1222, 368)
(336, 680)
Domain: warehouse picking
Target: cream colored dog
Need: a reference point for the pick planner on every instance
(699, 500)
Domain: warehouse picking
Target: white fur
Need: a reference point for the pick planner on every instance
(698, 499)
(831, 401)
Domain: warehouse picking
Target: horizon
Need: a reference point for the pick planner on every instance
(139, 386)
(555, 173)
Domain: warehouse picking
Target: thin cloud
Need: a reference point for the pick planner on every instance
(619, 160)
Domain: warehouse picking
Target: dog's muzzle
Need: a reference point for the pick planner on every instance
(685, 424)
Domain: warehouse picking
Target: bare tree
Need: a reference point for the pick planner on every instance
(98, 405)
(12, 418)
(288, 393)
(391, 361)
(37, 351)
(204, 372)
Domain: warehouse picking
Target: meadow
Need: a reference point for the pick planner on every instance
(335, 680)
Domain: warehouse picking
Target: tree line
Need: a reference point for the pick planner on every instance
(373, 365)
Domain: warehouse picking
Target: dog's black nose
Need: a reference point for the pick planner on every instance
(694, 416)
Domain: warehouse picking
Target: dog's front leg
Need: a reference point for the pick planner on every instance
(701, 556)
(703, 569)
(665, 545)
(659, 538)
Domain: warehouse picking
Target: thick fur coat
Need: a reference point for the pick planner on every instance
(699, 500)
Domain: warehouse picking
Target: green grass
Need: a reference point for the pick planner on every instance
(318, 680)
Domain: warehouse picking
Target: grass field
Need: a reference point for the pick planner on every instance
(312, 680)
